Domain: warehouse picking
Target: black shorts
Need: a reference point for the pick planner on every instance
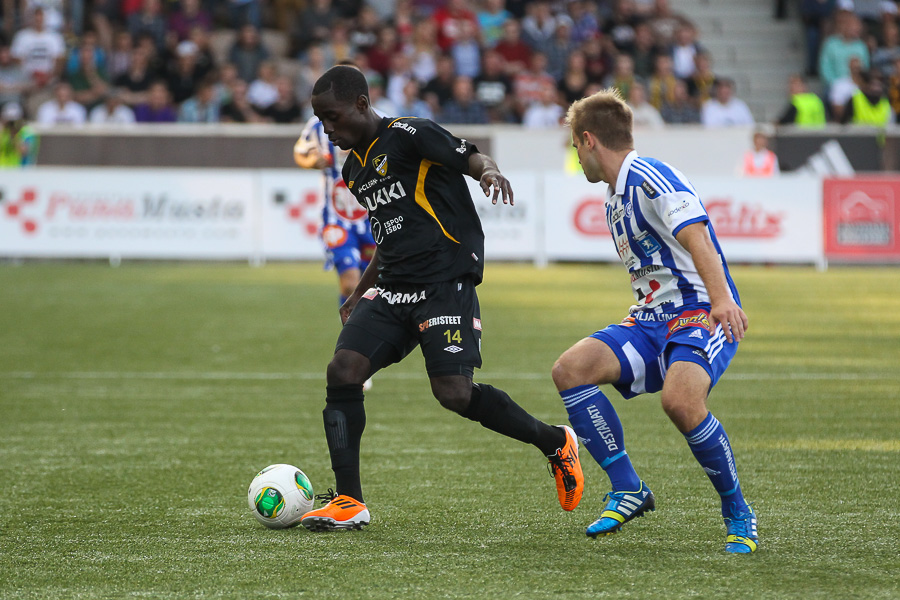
(392, 319)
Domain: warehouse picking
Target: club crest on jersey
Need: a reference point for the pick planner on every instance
(350, 183)
(380, 164)
(648, 244)
(649, 189)
(693, 318)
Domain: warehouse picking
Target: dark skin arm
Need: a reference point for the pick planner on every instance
(367, 280)
(483, 169)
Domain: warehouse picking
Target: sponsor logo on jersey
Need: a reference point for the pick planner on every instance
(384, 196)
(401, 297)
(648, 244)
(453, 349)
(643, 272)
(462, 146)
(334, 236)
(380, 164)
(443, 320)
(649, 189)
(404, 126)
(369, 184)
(693, 318)
(370, 293)
(678, 208)
(476, 323)
(701, 354)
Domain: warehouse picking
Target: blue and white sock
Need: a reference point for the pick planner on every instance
(595, 421)
(709, 443)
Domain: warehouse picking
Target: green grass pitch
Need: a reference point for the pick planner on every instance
(137, 403)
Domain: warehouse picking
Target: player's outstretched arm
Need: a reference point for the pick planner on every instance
(483, 169)
(723, 309)
(366, 281)
(307, 156)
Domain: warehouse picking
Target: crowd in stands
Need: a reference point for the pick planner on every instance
(456, 61)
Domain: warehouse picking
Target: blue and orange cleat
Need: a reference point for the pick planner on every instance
(621, 508)
(742, 537)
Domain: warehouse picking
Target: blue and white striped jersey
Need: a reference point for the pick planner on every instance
(649, 204)
(340, 207)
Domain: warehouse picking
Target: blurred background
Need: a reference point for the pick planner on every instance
(164, 128)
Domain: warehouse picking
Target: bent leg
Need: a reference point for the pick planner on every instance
(577, 373)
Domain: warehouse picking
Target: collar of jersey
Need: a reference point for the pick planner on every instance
(623, 173)
(381, 127)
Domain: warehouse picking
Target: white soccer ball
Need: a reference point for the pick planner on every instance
(280, 495)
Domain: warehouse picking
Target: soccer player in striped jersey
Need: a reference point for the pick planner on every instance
(678, 339)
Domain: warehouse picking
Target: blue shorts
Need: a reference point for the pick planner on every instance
(647, 343)
(346, 248)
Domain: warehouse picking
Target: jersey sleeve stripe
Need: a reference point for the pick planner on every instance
(422, 200)
(653, 175)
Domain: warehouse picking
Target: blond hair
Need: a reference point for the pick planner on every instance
(606, 116)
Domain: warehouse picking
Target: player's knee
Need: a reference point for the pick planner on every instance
(567, 374)
(685, 412)
(347, 368)
(452, 395)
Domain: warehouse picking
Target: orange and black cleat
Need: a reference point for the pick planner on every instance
(341, 512)
(565, 466)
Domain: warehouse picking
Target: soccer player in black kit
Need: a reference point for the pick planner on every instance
(419, 288)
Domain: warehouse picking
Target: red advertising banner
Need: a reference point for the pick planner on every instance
(862, 219)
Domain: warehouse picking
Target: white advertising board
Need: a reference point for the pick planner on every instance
(127, 213)
(291, 214)
(511, 232)
(756, 220)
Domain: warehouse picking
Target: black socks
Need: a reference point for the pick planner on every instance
(345, 420)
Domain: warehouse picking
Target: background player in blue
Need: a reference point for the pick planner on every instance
(680, 336)
(419, 289)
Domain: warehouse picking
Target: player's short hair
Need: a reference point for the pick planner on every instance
(346, 82)
(606, 116)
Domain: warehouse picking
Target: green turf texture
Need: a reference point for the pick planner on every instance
(137, 403)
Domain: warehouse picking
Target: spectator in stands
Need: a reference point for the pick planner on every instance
(202, 107)
(869, 105)
(514, 51)
(423, 51)
(884, 56)
(684, 49)
(815, 14)
(493, 88)
(15, 83)
(18, 141)
(599, 55)
(760, 161)
(136, 82)
(401, 17)
(661, 86)
(314, 25)
(111, 110)
(54, 17)
(843, 88)
(545, 113)
(466, 51)
(158, 107)
(838, 49)
(364, 32)
(39, 50)
(245, 12)
(61, 109)
(703, 81)
(263, 91)
(399, 74)
(103, 14)
(448, 18)
(665, 23)
(805, 108)
(439, 90)
(239, 109)
(88, 79)
(313, 67)
(574, 80)
(149, 21)
(119, 60)
(559, 48)
(583, 14)
(491, 18)
(645, 51)
(623, 77)
(724, 109)
(185, 76)
(377, 98)
(463, 107)
(412, 105)
(539, 25)
(682, 110)
(206, 62)
(190, 14)
(386, 45)
(248, 52)
(529, 85)
(620, 25)
(893, 88)
(644, 114)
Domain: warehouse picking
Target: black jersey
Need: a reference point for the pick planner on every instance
(411, 181)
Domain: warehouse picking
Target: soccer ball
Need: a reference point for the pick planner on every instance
(280, 495)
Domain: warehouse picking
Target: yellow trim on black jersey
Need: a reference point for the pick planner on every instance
(362, 161)
(422, 201)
